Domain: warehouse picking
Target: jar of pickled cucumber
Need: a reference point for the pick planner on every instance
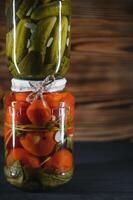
(38, 38)
(38, 134)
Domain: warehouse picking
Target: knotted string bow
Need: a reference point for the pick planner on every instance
(40, 88)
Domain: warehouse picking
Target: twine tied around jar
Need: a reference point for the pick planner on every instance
(37, 88)
(43, 87)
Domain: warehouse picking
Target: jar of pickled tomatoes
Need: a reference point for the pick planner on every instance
(38, 134)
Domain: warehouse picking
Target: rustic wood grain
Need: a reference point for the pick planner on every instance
(101, 74)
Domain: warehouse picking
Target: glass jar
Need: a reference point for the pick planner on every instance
(38, 38)
(38, 135)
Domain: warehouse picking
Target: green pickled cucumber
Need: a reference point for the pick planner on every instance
(24, 7)
(41, 35)
(9, 44)
(68, 42)
(9, 14)
(12, 69)
(22, 35)
(51, 9)
(49, 69)
(31, 65)
(64, 34)
(53, 52)
(45, 1)
(64, 67)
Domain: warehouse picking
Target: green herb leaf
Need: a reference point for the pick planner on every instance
(54, 179)
(14, 173)
(69, 143)
(21, 176)
(18, 133)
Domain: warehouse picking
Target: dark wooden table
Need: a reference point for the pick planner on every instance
(103, 171)
(101, 73)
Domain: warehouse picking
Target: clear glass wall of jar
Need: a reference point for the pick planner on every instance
(38, 139)
(38, 38)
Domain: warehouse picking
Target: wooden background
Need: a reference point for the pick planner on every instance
(101, 74)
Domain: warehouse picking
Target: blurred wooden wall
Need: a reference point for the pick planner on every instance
(101, 74)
